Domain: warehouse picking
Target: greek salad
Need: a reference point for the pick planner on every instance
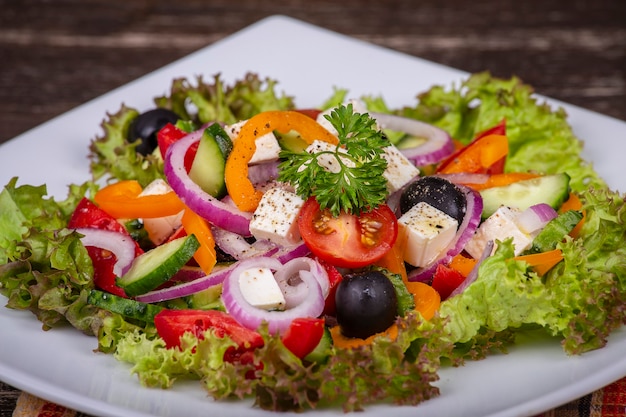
(329, 257)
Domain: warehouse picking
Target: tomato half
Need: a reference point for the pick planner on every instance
(172, 324)
(347, 241)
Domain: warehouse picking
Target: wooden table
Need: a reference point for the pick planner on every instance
(57, 55)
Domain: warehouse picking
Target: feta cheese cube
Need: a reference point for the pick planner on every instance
(428, 231)
(400, 171)
(260, 289)
(275, 219)
(267, 146)
(160, 228)
(501, 225)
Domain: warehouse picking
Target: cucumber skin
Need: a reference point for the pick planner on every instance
(555, 231)
(406, 302)
(321, 353)
(551, 189)
(161, 272)
(124, 306)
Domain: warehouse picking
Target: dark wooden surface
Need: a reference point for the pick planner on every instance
(55, 55)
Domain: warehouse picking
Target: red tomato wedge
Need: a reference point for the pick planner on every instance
(347, 241)
(172, 324)
(170, 134)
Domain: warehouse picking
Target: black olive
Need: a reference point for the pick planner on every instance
(146, 125)
(366, 304)
(439, 193)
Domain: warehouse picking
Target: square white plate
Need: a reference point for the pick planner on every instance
(60, 365)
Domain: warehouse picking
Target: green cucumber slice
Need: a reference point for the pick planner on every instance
(406, 301)
(550, 189)
(291, 141)
(207, 169)
(555, 231)
(124, 306)
(156, 266)
(321, 353)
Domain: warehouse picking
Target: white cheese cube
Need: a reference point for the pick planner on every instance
(275, 219)
(428, 232)
(160, 228)
(400, 171)
(267, 146)
(500, 226)
(260, 289)
(328, 161)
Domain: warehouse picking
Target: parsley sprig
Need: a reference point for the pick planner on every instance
(356, 183)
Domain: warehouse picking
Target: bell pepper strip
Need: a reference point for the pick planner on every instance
(499, 180)
(427, 299)
(574, 203)
(343, 342)
(393, 260)
(463, 264)
(206, 255)
(477, 157)
(303, 335)
(542, 262)
(239, 186)
(446, 280)
(122, 200)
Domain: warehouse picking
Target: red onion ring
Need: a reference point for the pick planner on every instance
(437, 146)
(278, 321)
(467, 228)
(288, 253)
(302, 265)
(471, 277)
(205, 205)
(122, 246)
(263, 173)
(534, 218)
(237, 247)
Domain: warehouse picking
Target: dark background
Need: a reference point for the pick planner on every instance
(55, 55)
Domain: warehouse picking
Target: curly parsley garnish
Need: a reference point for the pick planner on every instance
(348, 177)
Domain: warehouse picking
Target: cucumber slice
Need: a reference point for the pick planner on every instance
(155, 267)
(321, 353)
(124, 306)
(555, 231)
(209, 299)
(406, 301)
(291, 141)
(207, 169)
(550, 189)
(410, 141)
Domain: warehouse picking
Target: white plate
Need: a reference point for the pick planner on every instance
(60, 365)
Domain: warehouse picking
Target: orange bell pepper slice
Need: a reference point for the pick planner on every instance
(240, 189)
(478, 156)
(574, 203)
(343, 342)
(205, 256)
(463, 264)
(499, 180)
(393, 260)
(427, 299)
(542, 262)
(121, 200)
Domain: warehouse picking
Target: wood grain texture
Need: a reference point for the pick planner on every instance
(55, 55)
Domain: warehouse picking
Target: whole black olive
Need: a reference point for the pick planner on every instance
(439, 193)
(146, 125)
(366, 304)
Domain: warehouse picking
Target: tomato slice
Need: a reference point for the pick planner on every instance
(172, 324)
(303, 335)
(446, 279)
(347, 241)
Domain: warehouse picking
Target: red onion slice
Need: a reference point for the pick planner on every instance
(534, 218)
(437, 146)
(237, 247)
(311, 304)
(304, 265)
(471, 277)
(467, 228)
(122, 246)
(205, 205)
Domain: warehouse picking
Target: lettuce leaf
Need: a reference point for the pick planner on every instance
(540, 138)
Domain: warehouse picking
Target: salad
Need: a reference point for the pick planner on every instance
(230, 237)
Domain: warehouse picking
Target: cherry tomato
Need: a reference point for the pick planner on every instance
(170, 134)
(312, 113)
(347, 241)
(303, 335)
(172, 324)
(445, 280)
